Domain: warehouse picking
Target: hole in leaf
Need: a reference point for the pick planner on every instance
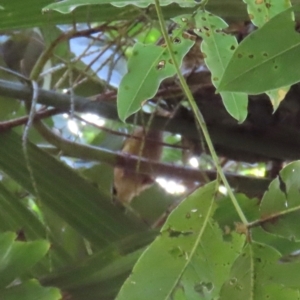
(203, 288)
(282, 185)
(161, 65)
(176, 40)
(174, 233)
(176, 252)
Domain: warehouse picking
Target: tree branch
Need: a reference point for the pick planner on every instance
(274, 142)
(6, 125)
(251, 186)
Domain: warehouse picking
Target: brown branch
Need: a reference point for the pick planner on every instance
(108, 110)
(6, 125)
(273, 217)
(250, 185)
(128, 135)
(273, 142)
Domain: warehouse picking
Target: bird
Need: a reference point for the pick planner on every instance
(127, 183)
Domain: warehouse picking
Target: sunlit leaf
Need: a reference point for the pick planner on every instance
(260, 60)
(147, 67)
(218, 49)
(18, 257)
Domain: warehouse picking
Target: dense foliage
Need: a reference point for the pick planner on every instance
(215, 86)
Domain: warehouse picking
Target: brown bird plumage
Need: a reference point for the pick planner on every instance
(147, 144)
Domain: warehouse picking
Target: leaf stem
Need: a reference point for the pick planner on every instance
(198, 115)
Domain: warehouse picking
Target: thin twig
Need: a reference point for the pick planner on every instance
(6, 125)
(198, 115)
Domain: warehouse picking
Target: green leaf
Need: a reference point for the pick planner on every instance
(283, 245)
(281, 205)
(160, 267)
(286, 274)
(101, 275)
(17, 257)
(22, 218)
(251, 276)
(30, 290)
(210, 266)
(147, 67)
(261, 12)
(68, 6)
(99, 266)
(189, 250)
(226, 215)
(262, 57)
(66, 193)
(8, 108)
(218, 49)
(29, 16)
